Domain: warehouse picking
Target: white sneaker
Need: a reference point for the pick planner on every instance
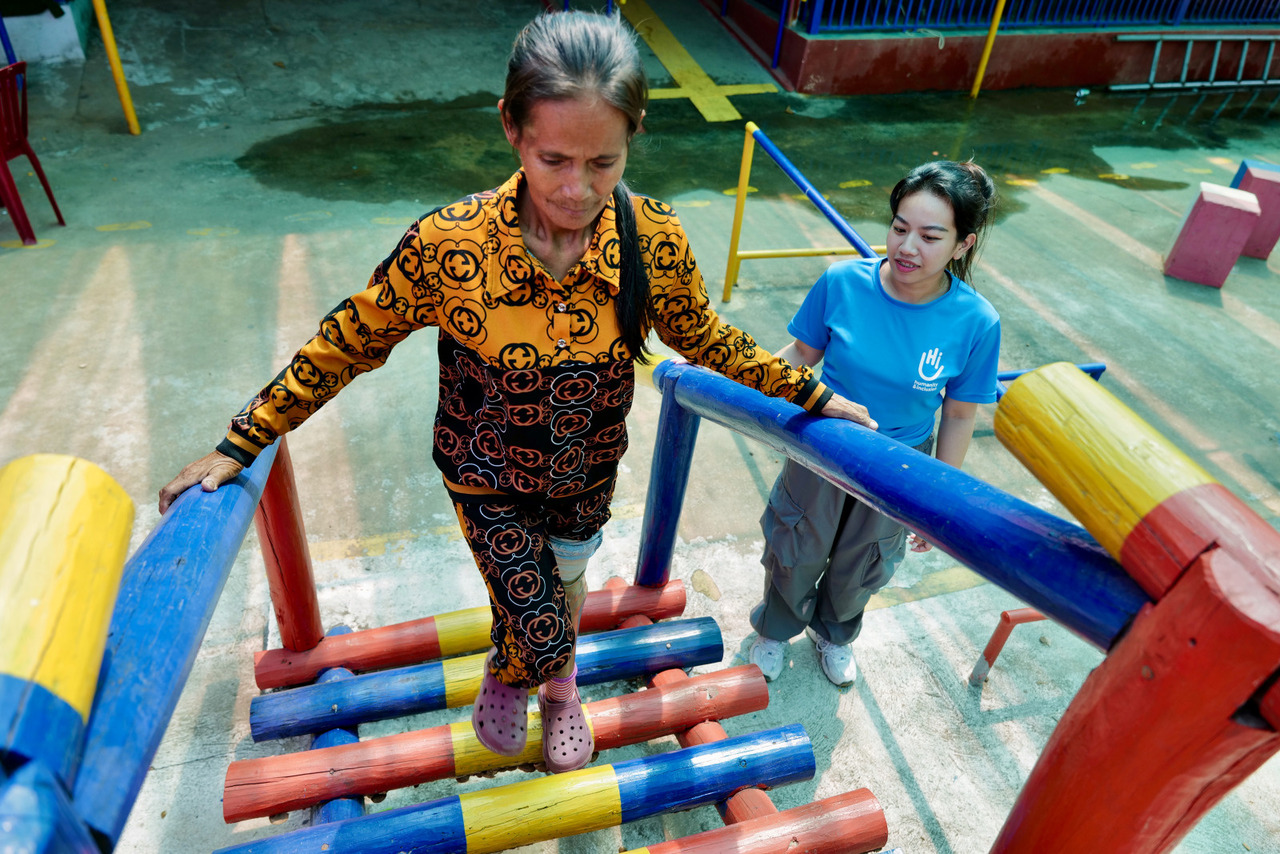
(768, 654)
(837, 661)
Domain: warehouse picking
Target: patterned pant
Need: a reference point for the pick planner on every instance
(510, 538)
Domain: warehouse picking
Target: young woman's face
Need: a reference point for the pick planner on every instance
(573, 153)
(922, 241)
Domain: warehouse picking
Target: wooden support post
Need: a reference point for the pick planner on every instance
(1184, 706)
(288, 560)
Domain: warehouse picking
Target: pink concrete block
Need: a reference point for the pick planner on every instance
(1264, 183)
(1212, 235)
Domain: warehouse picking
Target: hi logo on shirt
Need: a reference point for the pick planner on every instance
(931, 368)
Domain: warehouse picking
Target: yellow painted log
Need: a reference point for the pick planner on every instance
(497, 819)
(1096, 455)
(463, 631)
(64, 537)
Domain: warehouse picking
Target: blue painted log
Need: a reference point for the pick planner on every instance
(36, 816)
(1047, 562)
(668, 478)
(577, 802)
(603, 657)
(338, 809)
(167, 597)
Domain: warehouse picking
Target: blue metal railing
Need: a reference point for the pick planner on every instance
(818, 16)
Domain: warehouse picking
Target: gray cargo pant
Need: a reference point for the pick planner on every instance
(825, 554)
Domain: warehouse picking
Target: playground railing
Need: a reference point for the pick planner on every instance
(755, 136)
(1047, 562)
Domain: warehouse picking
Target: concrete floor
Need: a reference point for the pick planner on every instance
(285, 147)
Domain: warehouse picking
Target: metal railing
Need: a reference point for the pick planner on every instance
(819, 16)
(857, 246)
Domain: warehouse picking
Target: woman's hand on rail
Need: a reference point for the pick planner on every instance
(842, 407)
(210, 471)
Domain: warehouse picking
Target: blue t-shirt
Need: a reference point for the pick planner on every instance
(893, 357)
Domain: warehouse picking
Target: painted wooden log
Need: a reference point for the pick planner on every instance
(64, 536)
(851, 823)
(36, 815)
(167, 597)
(604, 657)
(1175, 716)
(278, 520)
(1212, 235)
(449, 634)
(560, 805)
(742, 805)
(338, 807)
(274, 784)
(1263, 180)
(1049, 563)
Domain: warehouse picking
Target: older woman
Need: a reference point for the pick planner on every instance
(544, 292)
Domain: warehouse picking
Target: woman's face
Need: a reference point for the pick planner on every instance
(922, 241)
(573, 153)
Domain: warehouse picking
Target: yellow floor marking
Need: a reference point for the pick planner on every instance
(1055, 170)
(308, 216)
(733, 191)
(856, 182)
(1114, 176)
(948, 580)
(1225, 162)
(41, 243)
(125, 226)
(1143, 165)
(1197, 170)
(1022, 182)
(226, 231)
(377, 545)
(693, 203)
(691, 81)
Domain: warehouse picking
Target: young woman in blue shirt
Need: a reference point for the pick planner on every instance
(905, 336)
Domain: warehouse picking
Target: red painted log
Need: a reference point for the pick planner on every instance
(851, 823)
(274, 784)
(1008, 619)
(418, 640)
(1166, 726)
(284, 551)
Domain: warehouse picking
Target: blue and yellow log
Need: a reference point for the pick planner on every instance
(561, 805)
(63, 544)
(603, 657)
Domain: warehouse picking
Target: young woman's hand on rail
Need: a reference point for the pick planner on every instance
(842, 407)
(210, 471)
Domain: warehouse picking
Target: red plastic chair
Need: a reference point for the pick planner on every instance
(13, 141)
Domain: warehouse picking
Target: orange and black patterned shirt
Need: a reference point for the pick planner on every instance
(535, 382)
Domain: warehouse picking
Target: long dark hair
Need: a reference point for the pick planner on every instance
(970, 192)
(565, 55)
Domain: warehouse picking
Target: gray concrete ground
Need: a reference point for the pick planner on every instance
(285, 147)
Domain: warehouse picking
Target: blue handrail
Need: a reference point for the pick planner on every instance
(1049, 563)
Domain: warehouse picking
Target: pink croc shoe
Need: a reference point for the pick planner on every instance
(500, 715)
(567, 743)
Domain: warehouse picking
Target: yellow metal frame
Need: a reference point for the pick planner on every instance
(736, 256)
(996, 17)
(117, 70)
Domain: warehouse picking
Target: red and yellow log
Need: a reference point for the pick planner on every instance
(851, 823)
(452, 633)
(274, 784)
(1185, 706)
